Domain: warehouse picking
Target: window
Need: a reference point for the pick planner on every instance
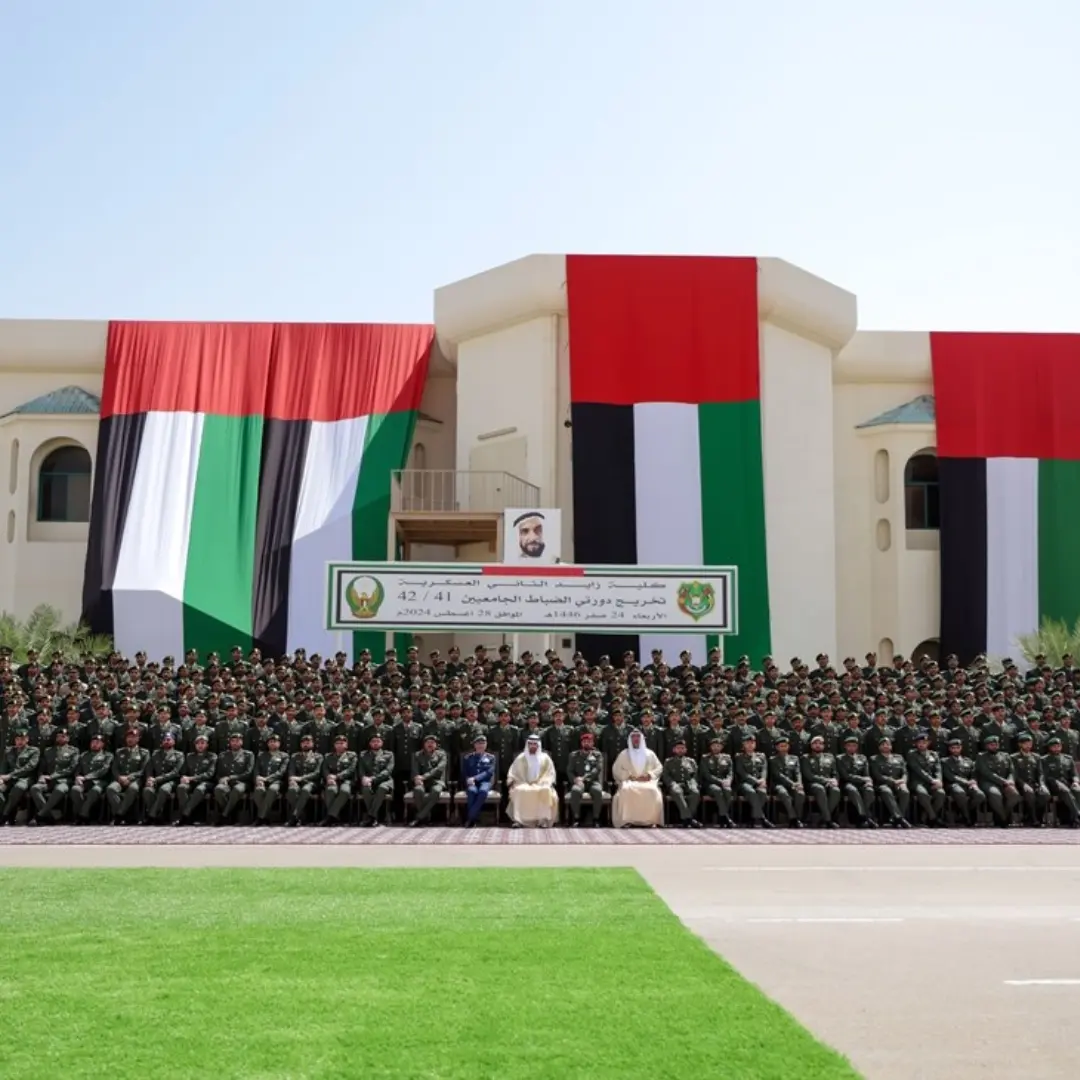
(922, 505)
(64, 485)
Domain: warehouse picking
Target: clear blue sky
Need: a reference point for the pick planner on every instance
(338, 159)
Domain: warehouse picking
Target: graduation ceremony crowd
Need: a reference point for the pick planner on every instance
(532, 741)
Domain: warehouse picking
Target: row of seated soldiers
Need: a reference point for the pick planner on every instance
(870, 788)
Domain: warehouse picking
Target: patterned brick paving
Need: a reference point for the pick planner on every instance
(136, 835)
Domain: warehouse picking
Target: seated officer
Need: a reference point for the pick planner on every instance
(478, 776)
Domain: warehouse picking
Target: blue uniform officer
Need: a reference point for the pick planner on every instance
(478, 773)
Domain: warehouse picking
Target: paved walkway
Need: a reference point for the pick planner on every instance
(921, 961)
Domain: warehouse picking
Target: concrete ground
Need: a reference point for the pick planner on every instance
(920, 962)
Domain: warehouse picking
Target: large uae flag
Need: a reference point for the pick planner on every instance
(233, 461)
(666, 431)
(1008, 439)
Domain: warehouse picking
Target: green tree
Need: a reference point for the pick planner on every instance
(45, 631)
(1053, 640)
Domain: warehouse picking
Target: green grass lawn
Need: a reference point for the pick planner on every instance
(350, 974)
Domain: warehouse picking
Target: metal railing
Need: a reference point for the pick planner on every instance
(448, 491)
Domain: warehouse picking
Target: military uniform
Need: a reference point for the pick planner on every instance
(271, 767)
(927, 783)
(890, 775)
(235, 769)
(338, 778)
(199, 769)
(717, 771)
(90, 779)
(166, 767)
(305, 767)
(751, 777)
(958, 776)
(821, 777)
(20, 768)
(856, 783)
(584, 770)
(478, 777)
(128, 769)
(994, 772)
(1059, 772)
(785, 779)
(679, 777)
(1027, 769)
(429, 781)
(47, 793)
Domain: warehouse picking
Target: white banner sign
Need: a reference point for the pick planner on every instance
(459, 596)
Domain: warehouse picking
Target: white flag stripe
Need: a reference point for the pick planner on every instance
(667, 467)
(1012, 552)
(148, 590)
(323, 530)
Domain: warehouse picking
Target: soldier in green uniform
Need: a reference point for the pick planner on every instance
(128, 770)
(1059, 772)
(376, 772)
(305, 767)
(679, 778)
(235, 768)
(90, 778)
(890, 775)
(1027, 771)
(271, 767)
(558, 742)
(717, 777)
(927, 783)
(166, 765)
(584, 769)
(958, 775)
(994, 772)
(429, 779)
(20, 768)
(785, 779)
(338, 778)
(199, 769)
(752, 778)
(47, 793)
(821, 778)
(856, 783)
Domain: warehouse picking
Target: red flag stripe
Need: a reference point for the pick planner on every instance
(511, 570)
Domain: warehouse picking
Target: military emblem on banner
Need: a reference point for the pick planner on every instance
(365, 595)
(696, 599)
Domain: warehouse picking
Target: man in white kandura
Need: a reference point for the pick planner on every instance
(532, 787)
(637, 771)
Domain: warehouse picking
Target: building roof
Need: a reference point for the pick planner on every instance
(67, 401)
(919, 410)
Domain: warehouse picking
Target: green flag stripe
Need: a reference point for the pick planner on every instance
(386, 448)
(733, 516)
(221, 549)
(1059, 526)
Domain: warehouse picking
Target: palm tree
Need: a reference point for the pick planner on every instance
(1053, 640)
(44, 630)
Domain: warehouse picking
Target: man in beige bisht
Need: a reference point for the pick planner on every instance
(637, 771)
(532, 787)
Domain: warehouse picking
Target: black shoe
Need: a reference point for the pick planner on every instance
(796, 824)
(765, 823)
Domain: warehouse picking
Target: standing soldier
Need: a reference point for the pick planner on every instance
(785, 778)
(958, 776)
(1059, 772)
(1027, 771)
(305, 766)
(270, 769)
(235, 769)
(822, 779)
(584, 769)
(679, 778)
(199, 768)
(856, 782)
(889, 771)
(557, 742)
(429, 779)
(927, 784)
(128, 770)
(994, 771)
(58, 765)
(376, 771)
(338, 776)
(752, 777)
(20, 767)
(90, 778)
(166, 765)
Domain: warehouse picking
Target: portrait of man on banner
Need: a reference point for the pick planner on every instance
(532, 536)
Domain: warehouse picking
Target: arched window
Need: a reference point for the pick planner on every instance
(922, 505)
(64, 485)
